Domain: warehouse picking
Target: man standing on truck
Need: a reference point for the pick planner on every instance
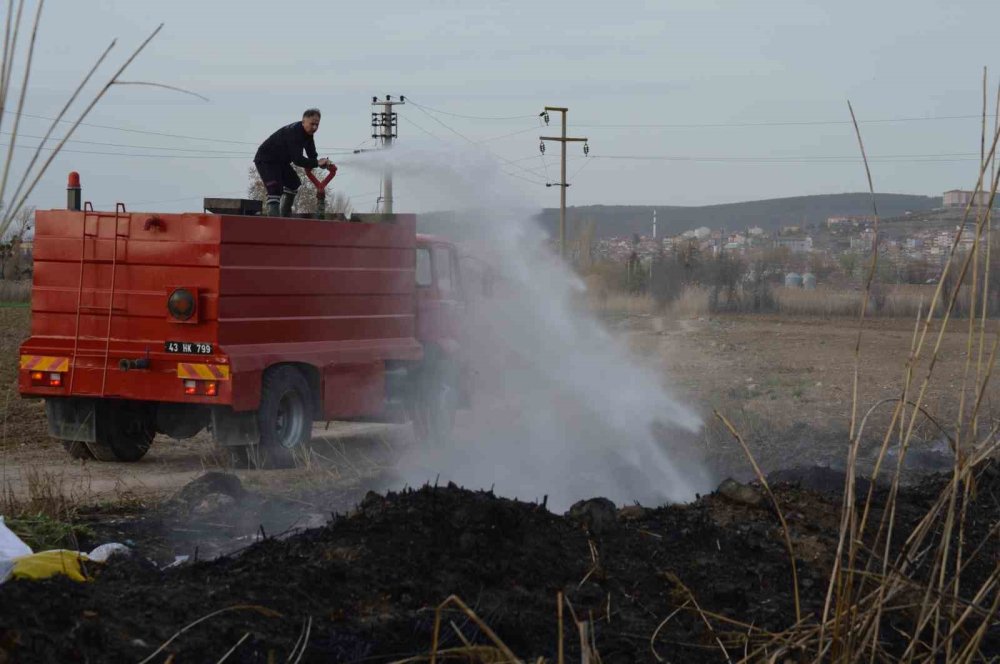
(275, 156)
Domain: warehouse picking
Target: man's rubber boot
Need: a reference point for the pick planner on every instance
(271, 209)
(287, 200)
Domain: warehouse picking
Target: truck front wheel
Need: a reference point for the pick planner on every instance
(434, 404)
(124, 431)
(285, 415)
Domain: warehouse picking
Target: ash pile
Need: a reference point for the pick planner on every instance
(637, 584)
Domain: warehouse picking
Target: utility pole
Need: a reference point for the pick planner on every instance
(384, 126)
(562, 184)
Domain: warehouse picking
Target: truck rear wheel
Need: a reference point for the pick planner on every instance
(124, 432)
(284, 417)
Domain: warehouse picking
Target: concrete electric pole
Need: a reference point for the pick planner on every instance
(562, 184)
(384, 126)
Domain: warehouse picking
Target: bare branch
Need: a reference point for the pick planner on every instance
(164, 86)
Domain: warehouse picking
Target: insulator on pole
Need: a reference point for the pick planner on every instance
(541, 147)
(586, 149)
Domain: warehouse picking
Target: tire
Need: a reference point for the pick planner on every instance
(124, 431)
(77, 450)
(434, 405)
(284, 417)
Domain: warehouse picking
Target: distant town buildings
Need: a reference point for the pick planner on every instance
(963, 198)
(795, 243)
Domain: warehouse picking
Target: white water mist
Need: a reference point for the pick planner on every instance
(561, 407)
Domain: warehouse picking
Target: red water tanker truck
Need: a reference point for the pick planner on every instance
(253, 327)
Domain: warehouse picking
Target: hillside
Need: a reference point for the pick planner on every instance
(770, 214)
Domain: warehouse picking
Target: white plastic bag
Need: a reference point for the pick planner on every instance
(11, 545)
(105, 551)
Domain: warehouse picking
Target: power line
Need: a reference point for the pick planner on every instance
(470, 117)
(513, 133)
(429, 133)
(847, 159)
(587, 162)
(781, 123)
(150, 133)
(123, 145)
(709, 125)
(470, 141)
(436, 137)
(125, 154)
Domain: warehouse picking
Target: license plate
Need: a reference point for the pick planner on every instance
(188, 347)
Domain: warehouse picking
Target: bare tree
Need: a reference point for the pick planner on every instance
(305, 201)
(12, 259)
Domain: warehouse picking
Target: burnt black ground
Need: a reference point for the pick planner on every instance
(370, 581)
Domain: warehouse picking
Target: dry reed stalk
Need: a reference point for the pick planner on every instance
(465, 655)
(55, 121)
(17, 205)
(22, 96)
(262, 610)
(941, 560)
(673, 578)
(989, 246)
(299, 649)
(490, 634)
(559, 627)
(246, 635)
(9, 49)
(888, 519)
(656, 632)
(777, 508)
(850, 476)
(848, 525)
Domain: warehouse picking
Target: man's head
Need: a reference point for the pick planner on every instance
(310, 121)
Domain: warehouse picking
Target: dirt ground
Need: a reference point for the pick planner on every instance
(785, 384)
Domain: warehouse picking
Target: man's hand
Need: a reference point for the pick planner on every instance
(324, 162)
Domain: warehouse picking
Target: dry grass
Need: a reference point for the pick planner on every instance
(15, 291)
(896, 301)
(43, 512)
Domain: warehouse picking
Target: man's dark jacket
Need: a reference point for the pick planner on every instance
(286, 145)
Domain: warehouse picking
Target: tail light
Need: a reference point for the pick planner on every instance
(46, 379)
(208, 388)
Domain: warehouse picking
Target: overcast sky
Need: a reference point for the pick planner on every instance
(753, 95)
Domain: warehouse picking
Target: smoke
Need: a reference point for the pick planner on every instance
(560, 406)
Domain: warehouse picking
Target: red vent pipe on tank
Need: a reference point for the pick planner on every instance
(74, 194)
